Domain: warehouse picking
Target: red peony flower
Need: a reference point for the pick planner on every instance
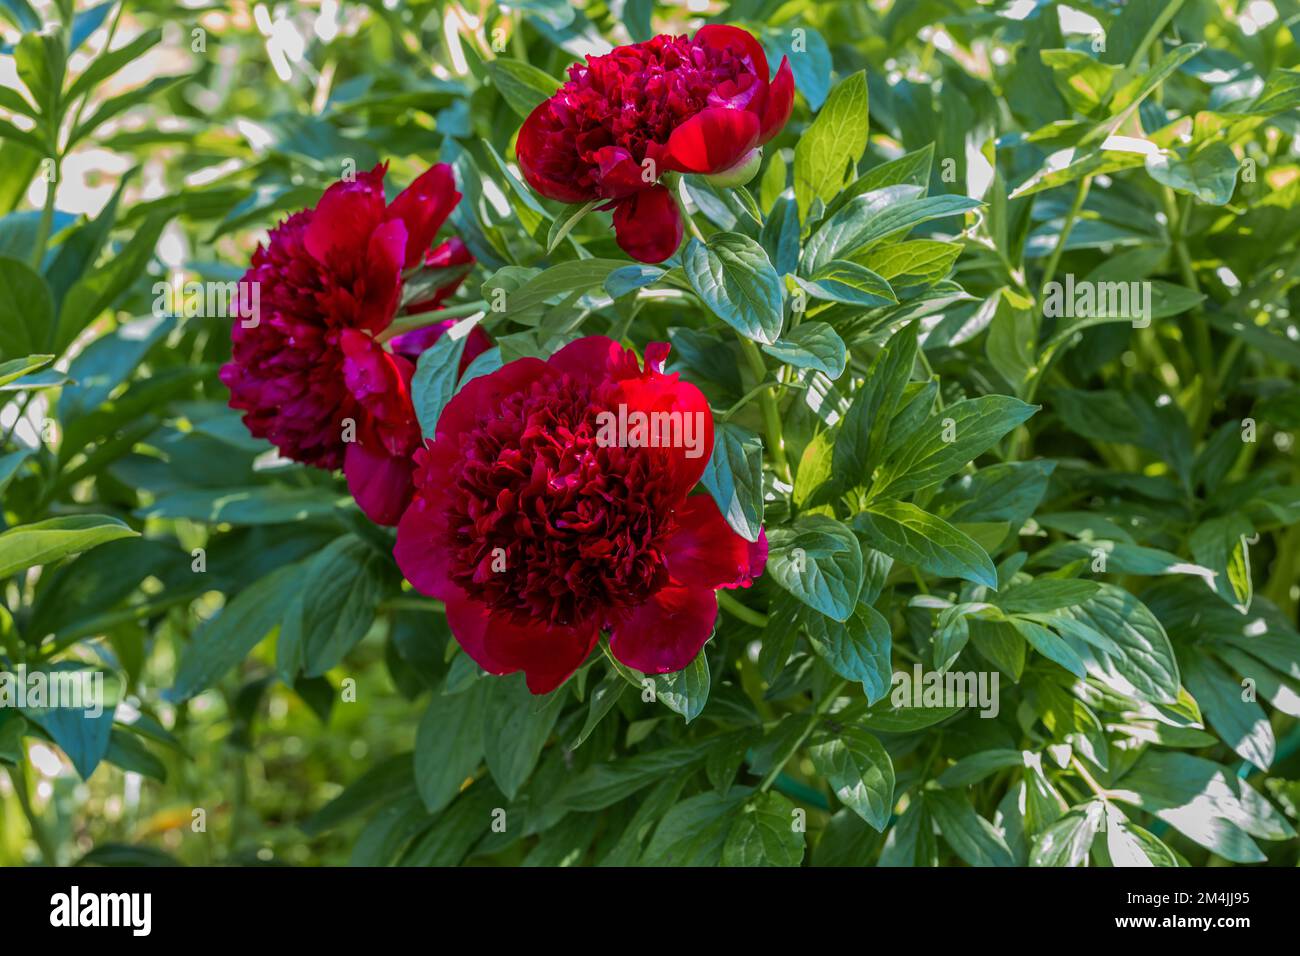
(540, 520)
(691, 106)
(329, 281)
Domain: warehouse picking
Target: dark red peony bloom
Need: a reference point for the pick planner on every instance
(329, 282)
(540, 523)
(690, 106)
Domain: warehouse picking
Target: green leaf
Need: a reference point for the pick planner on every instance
(737, 282)
(858, 649)
(1241, 723)
(559, 280)
(860, 772)
(826, 155)
(1067, 841)
(819, 561)
(232, 633)
(1220, 544)
(913, 536)
(263, 504)
(1084, 82)
(1050, 646)
(976, 767)
(44, 542)
(849, 283)
(914, 262)
(449, 745)
(971, 836)
(947, 441)
(862, 435)
(694, 832)
(1208, 172)
(522, 85)
(26, 311)
(436, 372)
(515, 728)
(565, 222)
(764, 834)
(874, 216)
(686, 691)
(734, 476)
(15, 369)
(812, 345)
(106, 64)
(342, 588)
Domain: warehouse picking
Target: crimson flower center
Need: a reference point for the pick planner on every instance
(544, 522)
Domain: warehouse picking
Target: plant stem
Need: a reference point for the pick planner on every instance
(405, 323)
(18, 775)
(739, 611)
(1080, 195)
(1082, 771)
(771, 416)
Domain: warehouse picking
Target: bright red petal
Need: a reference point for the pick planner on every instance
(780, 101)
(704, 552)
(712, 140)
(379, 482)
(421, 551)
(345, 215)
(648, 224)
(547, 159)
(547, 655)
(381, 286)
(484, 393)
(741, 42)
(691, 422)
(424, 206)
(665, 633)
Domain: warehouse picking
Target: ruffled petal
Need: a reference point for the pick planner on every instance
(421, 550)
(648, 225)
(379, 482)
(547, 159)
(690, 425)
(712, 140)
(546, 654)
(482, 394)
(664, 634)
(591, 358)
(780, 101)
(348, 212)
(380, 287)
(741, 42)
(424, 206)
(704, 551)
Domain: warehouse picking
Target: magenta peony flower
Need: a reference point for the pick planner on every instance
(330, 281)
(542, 516)
(669, 104)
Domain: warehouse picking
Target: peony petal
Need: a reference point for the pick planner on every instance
(380, 287)
(691, 424)
(421, 551)
(480, 395)
(704, 552)
(379, 482)
(648, 225)
(424, 206)
(780, 101)
(593, 357)
(712, 140)
(620, 174)
(740, 42)
(548, 159)
(346, 215)
(500, 645)
(468, 621)
(667, 632)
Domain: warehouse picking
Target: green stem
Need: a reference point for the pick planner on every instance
(405, 323)
(47, 219)
(771, 416)
(18, 774)
(822, 707)
(1080, 194)
(739, 611)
